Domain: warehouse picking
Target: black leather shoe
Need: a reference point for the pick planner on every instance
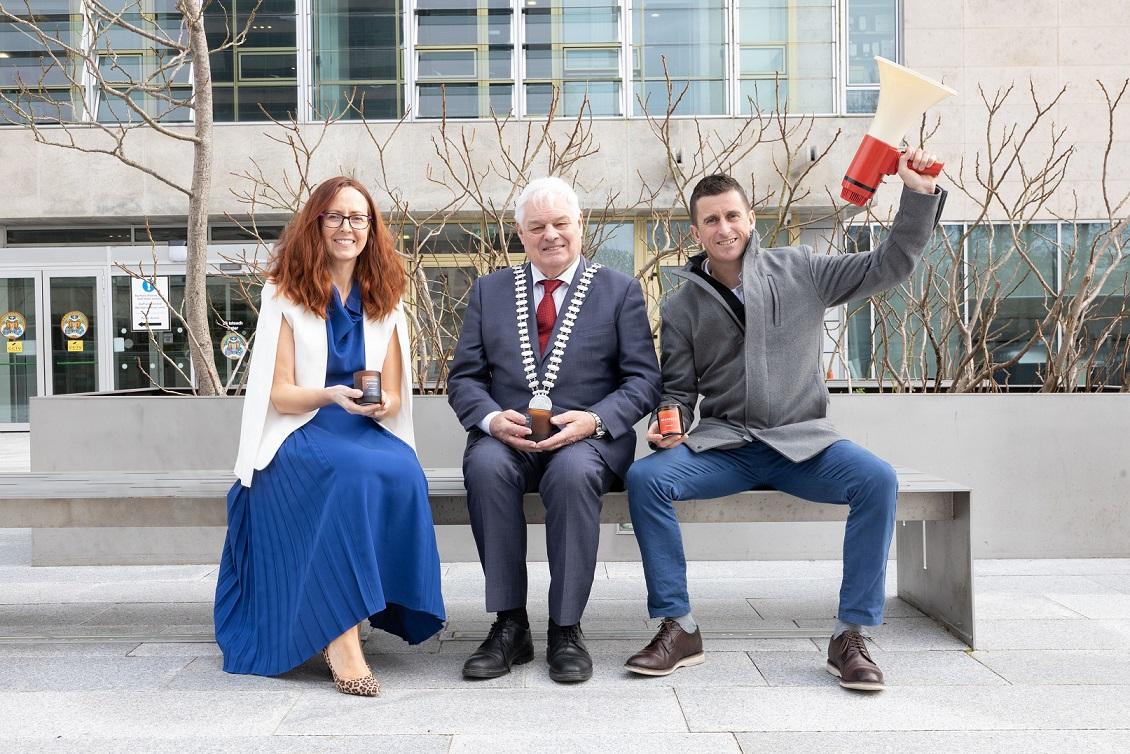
(507, 644)
(569, 660)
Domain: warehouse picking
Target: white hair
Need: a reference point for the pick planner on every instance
(541, 189)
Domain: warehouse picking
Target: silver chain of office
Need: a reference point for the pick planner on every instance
(540, 389)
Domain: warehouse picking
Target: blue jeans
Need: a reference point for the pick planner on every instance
(843, 473)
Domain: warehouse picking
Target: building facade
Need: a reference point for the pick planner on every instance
(415, 97)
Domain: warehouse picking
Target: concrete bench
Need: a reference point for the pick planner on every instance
(935, 563)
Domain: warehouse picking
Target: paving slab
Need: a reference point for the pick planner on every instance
(909, 668)
(66, 649)
(628, 647)
(382, 642)
(53, 615)
(118, 714)
(1118, 582)
(1098, 606)
(967, 742)
(207, 674)
(898, 634)
(495, 712)
(1020, 606)
(89, 575)
(598, 743)
(44, 593)
(241, 744)
(176, 649)
(822, 607)
(158, 614)
(1052, 634)
(88, 673)
(15, 546)
(1055, 667)
(1060, 566)
(721, 669)
(908, 708)
(1041, 584)
(196, 590)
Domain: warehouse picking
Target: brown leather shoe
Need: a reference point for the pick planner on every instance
(671, 649)
(849, 660)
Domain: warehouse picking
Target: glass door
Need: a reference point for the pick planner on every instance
(73, 316)
(20, 363)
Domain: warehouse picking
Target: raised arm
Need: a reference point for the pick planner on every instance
(847, 277)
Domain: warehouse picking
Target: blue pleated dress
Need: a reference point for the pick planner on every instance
(336, 529)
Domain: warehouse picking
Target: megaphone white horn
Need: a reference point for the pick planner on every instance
(903, 96)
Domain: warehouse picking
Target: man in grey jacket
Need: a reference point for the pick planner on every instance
(744, 332)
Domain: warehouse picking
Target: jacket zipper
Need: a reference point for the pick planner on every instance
(776, 300)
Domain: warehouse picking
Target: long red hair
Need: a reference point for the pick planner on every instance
(299, 265)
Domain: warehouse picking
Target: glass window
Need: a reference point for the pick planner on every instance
(19, 361)
(614, 244)
(35, 73)
(140, 78)
(573, 49)
(691, 39)
(146, 357)
(909, 331)
(1105, 341)
(266, 232)
(358, 58)
(1006, 265)
(787, 55)
(448, 286)
(258, 79)
(234, 301)
(67, 236)
(464, 41)
(872, 30)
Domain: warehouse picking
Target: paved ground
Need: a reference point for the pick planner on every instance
(121, 659)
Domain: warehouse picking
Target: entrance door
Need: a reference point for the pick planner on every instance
(21, 363)
(74, 307)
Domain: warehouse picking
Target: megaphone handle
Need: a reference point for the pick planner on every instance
(933, 171)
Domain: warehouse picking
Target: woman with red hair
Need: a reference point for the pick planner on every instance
(329, 523)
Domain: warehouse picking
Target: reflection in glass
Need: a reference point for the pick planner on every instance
(791, 41)
(234, 314)
(74, 335)
(871, 31)
(140, 354)
(19, 359)
(615, 245)
(691, 37)
(464, 40)
(575, 51)
(358, 58)
(998, 269)
(269, 53)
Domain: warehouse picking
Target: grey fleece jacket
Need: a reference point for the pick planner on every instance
(763, 379)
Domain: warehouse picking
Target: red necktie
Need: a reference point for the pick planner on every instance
(547, 312)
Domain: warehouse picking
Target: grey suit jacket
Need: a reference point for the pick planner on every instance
(762, 378)
(609, 365)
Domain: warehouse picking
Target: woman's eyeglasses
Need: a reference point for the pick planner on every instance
(335, 219)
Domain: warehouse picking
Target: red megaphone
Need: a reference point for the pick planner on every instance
(903, 96)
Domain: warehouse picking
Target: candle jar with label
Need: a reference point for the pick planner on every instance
(368, 381)
(670, 419)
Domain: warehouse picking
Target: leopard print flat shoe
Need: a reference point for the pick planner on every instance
(363, 686)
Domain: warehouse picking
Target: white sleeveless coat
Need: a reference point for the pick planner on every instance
(263, 428)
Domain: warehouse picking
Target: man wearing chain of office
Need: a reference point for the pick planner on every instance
(553, 367)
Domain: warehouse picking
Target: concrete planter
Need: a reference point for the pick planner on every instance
(1049, 472)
